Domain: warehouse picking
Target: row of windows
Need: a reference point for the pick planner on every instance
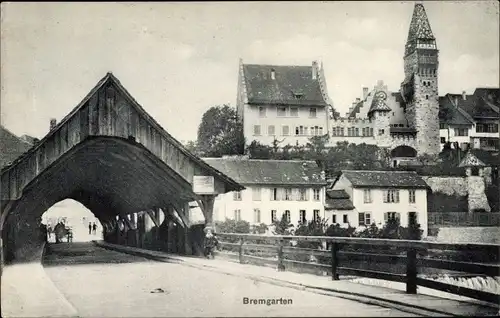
(480, 128)
(365, 219)
(302, 216)
(282, 194)
(284, 111)
(352, 131)
(390, 196)
(487, 128)
(257, 217)
(285, 130)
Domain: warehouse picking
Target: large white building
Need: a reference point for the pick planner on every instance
(360, 198)
(286, 103)
(273, 189)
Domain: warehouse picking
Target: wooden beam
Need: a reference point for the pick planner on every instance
(152, 215)
(127, 221)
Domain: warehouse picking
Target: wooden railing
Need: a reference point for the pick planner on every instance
(404, 261)
(463, 219)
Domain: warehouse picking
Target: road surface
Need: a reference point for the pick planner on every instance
(102, 283)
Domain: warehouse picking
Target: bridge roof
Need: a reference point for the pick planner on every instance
(110, 78)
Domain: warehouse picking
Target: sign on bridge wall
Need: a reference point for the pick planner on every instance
(203, 185)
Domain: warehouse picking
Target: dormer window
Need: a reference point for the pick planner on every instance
(273, 74)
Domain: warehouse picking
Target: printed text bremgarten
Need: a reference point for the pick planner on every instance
(267, 301)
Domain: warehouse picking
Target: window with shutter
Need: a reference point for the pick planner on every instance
(345, 219)
(334, 219)
(302, 217)
(256, 216)
(361, 218)
(412, 215)
(273, 216)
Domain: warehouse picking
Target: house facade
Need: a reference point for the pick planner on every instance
(286, 103)
(360, 198)
(273, 189)
(471, 120)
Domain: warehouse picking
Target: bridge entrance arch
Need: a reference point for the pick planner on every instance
(112, 157)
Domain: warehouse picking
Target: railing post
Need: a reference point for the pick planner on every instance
(240, 250)
(411, 271)
(334, 248)
(281, 266)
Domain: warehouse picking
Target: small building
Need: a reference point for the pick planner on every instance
(273, 188)
(360, 198)
(338, 207)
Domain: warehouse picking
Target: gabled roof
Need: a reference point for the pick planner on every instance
(271, 172)
(482, 104)
(457, 116)
(384, 179)
(480, 157)
(356, 109)
(293, 85)
(11, 146)
(110, 79)
(338, 200)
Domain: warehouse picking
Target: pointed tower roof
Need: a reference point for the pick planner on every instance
(420, 28)
(379, 103)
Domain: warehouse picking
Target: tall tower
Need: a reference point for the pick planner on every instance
(420, 86)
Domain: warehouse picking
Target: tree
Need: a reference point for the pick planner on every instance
(283, 227)
(311, 228)
(192, 147)
(220, 133)
(256, 150)
(233, 226)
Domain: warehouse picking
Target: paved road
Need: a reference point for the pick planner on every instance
(103, 283)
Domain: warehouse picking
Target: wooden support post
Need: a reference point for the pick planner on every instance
(240, 250)
(153, 216)
(281, 265)
(334, 248)
(208, 211)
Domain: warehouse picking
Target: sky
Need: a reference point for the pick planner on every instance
(180, 59)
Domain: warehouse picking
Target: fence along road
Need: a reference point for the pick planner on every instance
(478, 259)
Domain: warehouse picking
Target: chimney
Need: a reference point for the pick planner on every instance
(365, 92)
(314, 70)
(456, 101)
(53, 123)
(464, 95)
(273, 74)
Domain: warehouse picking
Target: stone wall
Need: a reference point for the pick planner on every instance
(448, 190)
(477, 194)
(469, 235)
(447, 185)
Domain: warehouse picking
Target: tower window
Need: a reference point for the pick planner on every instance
(426, 96)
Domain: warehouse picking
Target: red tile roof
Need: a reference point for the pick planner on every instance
(293, 85)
